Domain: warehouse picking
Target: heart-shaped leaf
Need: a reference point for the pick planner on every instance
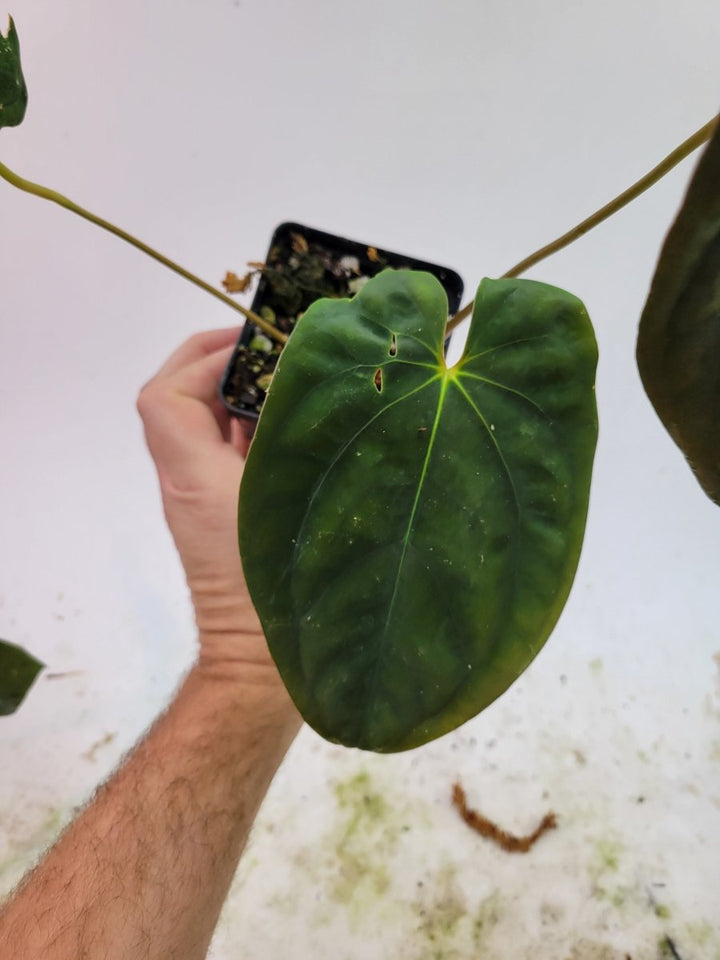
(17, 673)
(13, 92)
(678, 348)
(410, 532)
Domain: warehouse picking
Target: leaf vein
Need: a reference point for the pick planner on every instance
(341, 452)
(501, 346)
(494, 440)
(504, 387)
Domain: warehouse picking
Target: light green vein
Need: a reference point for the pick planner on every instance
(493, 438)
(405, 543)
(501, 346)
(506, 389)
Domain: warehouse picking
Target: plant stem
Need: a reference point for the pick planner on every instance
(39, 191)
(671, 160)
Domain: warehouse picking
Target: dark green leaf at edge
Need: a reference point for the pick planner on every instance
(678, 347)
(487, 549)
(18, 671)
(13, 92)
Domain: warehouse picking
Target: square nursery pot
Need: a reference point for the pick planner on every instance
(303, 265)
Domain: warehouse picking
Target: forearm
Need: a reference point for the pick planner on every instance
(144, 871)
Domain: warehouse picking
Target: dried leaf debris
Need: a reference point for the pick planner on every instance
(486, 828)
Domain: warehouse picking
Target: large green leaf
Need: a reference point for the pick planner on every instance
(410, 532)
(678, 348)
(13, 92)
(17, 673)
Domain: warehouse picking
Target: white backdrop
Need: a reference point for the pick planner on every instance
(469, 133)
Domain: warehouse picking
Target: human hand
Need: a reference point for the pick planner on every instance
(118, 876)
(199, 455)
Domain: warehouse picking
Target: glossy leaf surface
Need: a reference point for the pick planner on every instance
(678, 349)
(410, 532)
(17, 673)
(13, 92)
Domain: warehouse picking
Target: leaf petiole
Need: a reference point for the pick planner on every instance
(46, 193)
(657, 173)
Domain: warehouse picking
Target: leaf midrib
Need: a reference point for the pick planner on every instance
(448, 380)
(369, 700)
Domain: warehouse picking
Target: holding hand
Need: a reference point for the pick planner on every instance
(199, 455)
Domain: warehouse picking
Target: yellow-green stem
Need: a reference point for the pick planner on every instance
(671, 160)
(39, 191)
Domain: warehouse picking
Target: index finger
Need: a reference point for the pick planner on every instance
(198, 379)
(181, 420)
(197, 347)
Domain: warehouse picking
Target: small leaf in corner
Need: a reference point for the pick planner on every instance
(18, 671)
(13, 92)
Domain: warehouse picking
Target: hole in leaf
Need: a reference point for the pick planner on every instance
(393, 346)
(378, 380)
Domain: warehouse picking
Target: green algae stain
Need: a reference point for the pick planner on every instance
(591, 950)
(603, 870)
(357, 876)
(360, 844)
(364, 806)
(367, 837)
(486, 918)
(351, 867)
(608, 853)
(439, 920)
(699, 932)
(620, 897)
(448, 927)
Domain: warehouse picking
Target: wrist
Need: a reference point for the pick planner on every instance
(246, 684)
(233, 648)
(223, 606)
(231, 639)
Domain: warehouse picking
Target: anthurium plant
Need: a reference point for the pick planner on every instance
(417, 555)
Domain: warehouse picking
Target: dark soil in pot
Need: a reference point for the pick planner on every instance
(303, 265)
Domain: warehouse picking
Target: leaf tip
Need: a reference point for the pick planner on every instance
(18, 672)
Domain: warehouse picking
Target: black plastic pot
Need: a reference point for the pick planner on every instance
(302, 265)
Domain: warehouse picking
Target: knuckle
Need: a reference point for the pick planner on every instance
(146, 399)
(196, 342)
